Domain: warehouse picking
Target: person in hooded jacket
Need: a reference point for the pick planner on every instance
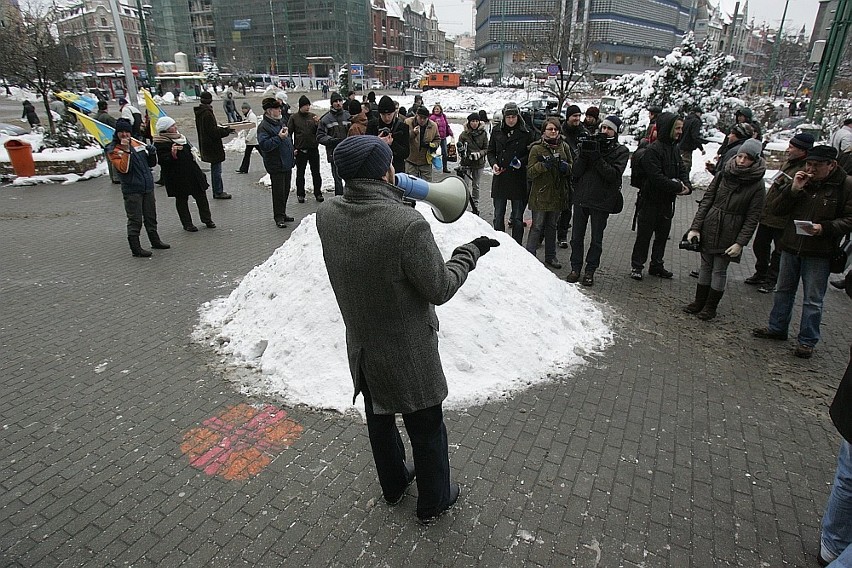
(665, 180)
(181, 174)
(597, 195)
(738, 134)
(30, 114)
(549, 170)
(276, 147)
(210, 136)
(572, 130)
(724, 224)
(744, 116)
(137, 186)
(508, 152)
(391, 128)
(473, 149)
(303, 127)
(691, 139)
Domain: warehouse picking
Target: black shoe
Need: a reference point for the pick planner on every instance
(409, 478)
(222, 195)
(210, 225)
(692, 273)
(553, 263)
(287, 219)
(766, 333)
(428, 518)
(240, 172)
(803, 351)
(563, 244)
(755, 280)
(766, 288)
(191, 228)
(573, 277)
(319, 198)
(300, 199)
(636, 274)
(281, 224)
(660, 271)
(589, 279)
(839, 284)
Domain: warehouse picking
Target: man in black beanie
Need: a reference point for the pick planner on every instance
(332, 130)
(210, 136)
(387, 275)
(572, 130)
(393, 130)
(303, 127)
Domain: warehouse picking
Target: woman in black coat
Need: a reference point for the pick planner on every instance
(725, 222)
(181, 174)
(508, 152)
(30, 114)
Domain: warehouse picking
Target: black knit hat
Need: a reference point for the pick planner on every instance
(822, 154)
(123, 125)
(593, 111)
(803, 141)
(386, 104)
(354, 107)
(473, 116)
(303, 100)
(362, 157)
(206, 97)
(572, 110)
(335, 96)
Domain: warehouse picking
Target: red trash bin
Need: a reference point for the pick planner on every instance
(21, 156)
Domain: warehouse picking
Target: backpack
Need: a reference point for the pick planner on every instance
(637, 171)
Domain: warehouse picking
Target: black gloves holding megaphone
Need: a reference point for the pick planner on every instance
(484, 244)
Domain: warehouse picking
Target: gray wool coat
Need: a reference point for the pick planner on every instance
(388, 275)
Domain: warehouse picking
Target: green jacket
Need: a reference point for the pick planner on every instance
(550, 187)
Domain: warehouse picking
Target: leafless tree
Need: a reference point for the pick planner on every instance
(38, 59)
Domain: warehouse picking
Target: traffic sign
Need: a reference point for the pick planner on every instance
(553, 69)
(357, 70)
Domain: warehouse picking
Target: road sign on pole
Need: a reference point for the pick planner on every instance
(357, 70)
(553, 69)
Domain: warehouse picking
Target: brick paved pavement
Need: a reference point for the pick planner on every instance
(687, 443)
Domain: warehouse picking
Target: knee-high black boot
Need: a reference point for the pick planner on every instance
(709, 311)
(136, 247)
(156, 243)
(697, 305)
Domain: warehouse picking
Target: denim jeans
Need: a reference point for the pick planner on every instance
(813, 273)
(216, 178)
(476, 176)
(578, 238)
(518, 206)
(837, 520)
(543, 222)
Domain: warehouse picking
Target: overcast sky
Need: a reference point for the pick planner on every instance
(456, 16)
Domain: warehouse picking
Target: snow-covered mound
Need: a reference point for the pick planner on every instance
(511, 324)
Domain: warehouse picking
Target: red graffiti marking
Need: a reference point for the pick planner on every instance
(240, 442)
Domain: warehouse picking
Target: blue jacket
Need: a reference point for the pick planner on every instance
(134, 167)
(277, 152)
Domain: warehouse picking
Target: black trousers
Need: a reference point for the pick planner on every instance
(280, 192)
(244, 166)
(428, 437)
(651, 222)
(141, 208)
(303, 158)
(564, 224)
(767, 265)
(182, 206)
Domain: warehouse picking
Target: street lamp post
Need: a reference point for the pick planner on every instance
(129, 80)
(146, 46)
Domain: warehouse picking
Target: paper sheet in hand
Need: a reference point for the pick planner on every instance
(801, 226)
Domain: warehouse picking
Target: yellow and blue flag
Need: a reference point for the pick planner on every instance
(155, 113)
(103, 133)
(83, 103)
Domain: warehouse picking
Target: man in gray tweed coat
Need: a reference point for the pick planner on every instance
(388, 274)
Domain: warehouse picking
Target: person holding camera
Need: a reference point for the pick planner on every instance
(388, 275)
(423, 140)
(549, 171)
(508, 151)
(598, 168)
(393, 130)
(473, 147)
(724, 224)
(573, 131)
(665, 180)
(276, 147)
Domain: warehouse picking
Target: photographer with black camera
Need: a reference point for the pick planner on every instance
(393, 130)
(724, 224)
(572, 131)
(473, 147)
(598, 169)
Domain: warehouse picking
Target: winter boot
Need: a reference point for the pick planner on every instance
(136, 247)
(696, 306)
(709, 311)
(156, 243)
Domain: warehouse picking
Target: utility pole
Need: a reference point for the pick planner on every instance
(733, 28)
(834, 47)
(129, 80)
(776, 49)
(274, 39)
(146, 47)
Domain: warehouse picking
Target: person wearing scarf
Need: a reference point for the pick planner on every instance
(181, 174)
(549, 170)
(725, 222)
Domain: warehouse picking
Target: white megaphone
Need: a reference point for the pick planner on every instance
(447, 198)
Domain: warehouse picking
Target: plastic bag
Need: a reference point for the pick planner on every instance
(438, 163)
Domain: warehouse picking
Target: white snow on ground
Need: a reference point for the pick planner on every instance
(511, 324)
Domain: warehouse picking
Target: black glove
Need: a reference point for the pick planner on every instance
(484, 244)
(547, 160)
(563, 167)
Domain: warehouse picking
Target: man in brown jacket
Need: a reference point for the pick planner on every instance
(303, 127)
(210, 136)
(423, 139)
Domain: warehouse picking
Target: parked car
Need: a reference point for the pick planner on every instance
(375, 84)
(535, 109)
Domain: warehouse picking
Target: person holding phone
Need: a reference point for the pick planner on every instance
(771, 226)
(276, 147)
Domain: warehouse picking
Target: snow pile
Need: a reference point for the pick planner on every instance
(511, 324)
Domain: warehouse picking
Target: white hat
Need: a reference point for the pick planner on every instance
(164, 123)
(281, 95)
